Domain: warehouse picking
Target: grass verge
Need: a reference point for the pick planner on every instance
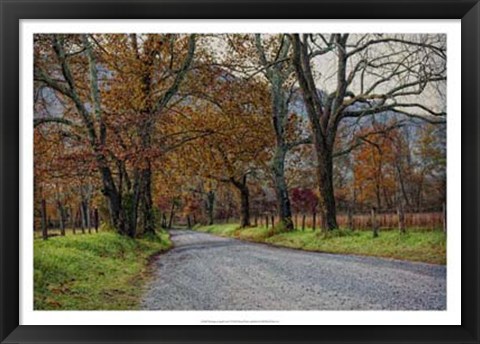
(416, 245)
(104, 271)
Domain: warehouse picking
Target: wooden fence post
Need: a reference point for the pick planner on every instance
(72, 221)
(273, 221)
(189, 223)
(89, 221)
(401, 219)
(44, 220)
(374, 223)
(303, 222)
(350, 219)
(314, 225)
(95, 219)
(266, 220)
(255, 221)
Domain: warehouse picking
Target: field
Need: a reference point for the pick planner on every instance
(103, 271)
(418, 245)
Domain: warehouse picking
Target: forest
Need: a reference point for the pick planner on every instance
(134, 132)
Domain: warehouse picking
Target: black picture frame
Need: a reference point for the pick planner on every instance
(13, 11)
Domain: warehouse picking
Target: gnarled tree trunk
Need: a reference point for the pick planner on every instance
(327, 202)
(277, 77)
(281, 190)
(242, 187)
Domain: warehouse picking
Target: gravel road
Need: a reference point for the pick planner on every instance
(206, 272)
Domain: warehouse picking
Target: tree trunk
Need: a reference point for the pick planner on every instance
(62, 216)
(266, 221)
(189, 223)
(303, 222)
(44, 219)
(72, 220)
(323, 221)
(95, 219)
(323, 119)
(172, 214)
(164, 221)
(283, 201)
(117, 214)
(374, 222)
(314, 225)
(242, 187)
(124, 200)
(87, 217)
(147, 203)
(82, 219)
(245, 208)
(325, 181)
(402, 184)
(85, 212)
(277, 78)
(146, 172)
(90, 221)
(131, 202)
(401, 219)
(210, 206)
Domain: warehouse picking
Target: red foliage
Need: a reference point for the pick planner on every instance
(304, 200)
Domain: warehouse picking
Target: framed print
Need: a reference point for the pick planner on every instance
(178, 169)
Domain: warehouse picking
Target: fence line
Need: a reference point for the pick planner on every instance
(427, 220)
(74, 222)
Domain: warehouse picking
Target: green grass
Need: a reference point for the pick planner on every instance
(258, 234)
(222, 230)
(103, 271)
(416, 245)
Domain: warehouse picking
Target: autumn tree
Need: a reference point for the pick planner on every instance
(376, 165)
(429, 166)
(65, 177)
(111, 82)
(267, 57)
(231, 111)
